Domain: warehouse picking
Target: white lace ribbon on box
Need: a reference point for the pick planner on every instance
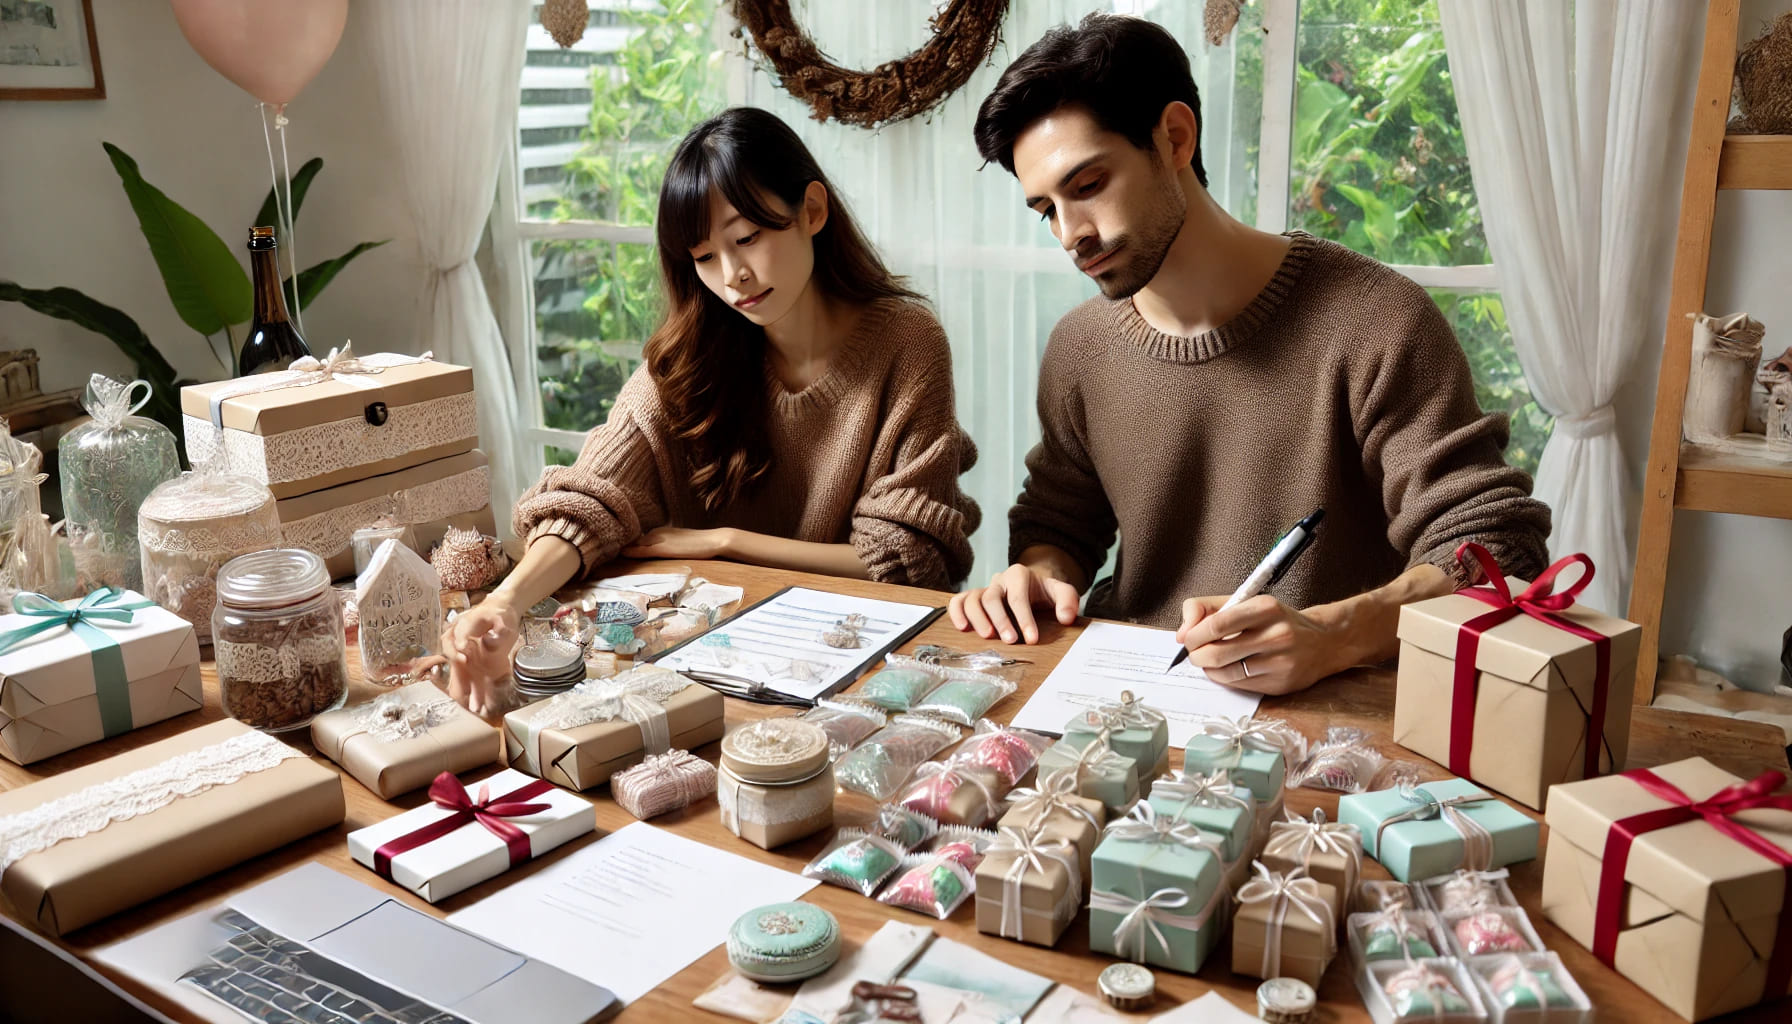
(309, 452)
(1292, 891)
(638, 695)
(1298, 839)
(141, 792)
(329, 533)
(392, 717)
(746, 803)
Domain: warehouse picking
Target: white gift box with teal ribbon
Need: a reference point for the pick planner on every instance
(1158, 892)
(76, 672)
(1436, 827)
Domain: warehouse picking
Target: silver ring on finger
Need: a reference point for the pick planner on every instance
(1245, 663)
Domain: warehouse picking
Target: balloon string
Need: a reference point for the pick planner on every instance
(282, 203)
(292, 245)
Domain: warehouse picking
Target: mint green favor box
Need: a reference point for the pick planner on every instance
(1135, 870)
(1226, 824)
(1116, 785)
(1260, 771)
(1428, 847)
(1144, 747)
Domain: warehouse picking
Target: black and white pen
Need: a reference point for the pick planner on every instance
(1273, 567)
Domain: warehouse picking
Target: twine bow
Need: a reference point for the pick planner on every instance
(1298, 839)
(1540, 601)
(1052, 793)
(107, 606)
(1717, 811)
(341, 364)
(1477, 842)
(447, 793)
(1270, 735)
(1030, 850)
(1146, 918)
(1295, 891)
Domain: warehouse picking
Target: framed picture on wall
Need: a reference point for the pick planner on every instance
(48, 51)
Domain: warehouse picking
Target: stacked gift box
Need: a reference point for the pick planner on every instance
(378, 437)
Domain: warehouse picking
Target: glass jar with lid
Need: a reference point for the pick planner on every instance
(776, 782)
(277, 637)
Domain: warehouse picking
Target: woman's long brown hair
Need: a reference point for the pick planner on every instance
(708, 360)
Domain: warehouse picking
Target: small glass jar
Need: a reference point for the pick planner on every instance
(776, 782)
(277, 636)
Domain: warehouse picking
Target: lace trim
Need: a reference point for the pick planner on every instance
(329, 533)
(223, 537)
(145, 791)
(258, 663)
(391, 717)
(309, 452)
(746, 803)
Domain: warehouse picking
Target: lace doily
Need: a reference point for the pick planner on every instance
(776, 741)
(259, 663)
(144, 791)
(391, 717)
(330, 532)
(309, 452)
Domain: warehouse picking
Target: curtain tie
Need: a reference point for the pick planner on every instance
(1586, 426)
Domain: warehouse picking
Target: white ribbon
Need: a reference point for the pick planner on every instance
(1030, 851)
(1150, 916)
(1298, 839)
(340, 364)
(1419, 978)
(394, 716)
(638, 696)
(1127, 713)
(1098, 758)
(939, 778)
(1270, 735)
(1054, 792)
(1281, 892)
(1469, 889)
(1477, 842)
(1194, 789)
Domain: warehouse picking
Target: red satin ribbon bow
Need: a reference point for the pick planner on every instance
(1541, 601)
(447, 793)
(1608, 914)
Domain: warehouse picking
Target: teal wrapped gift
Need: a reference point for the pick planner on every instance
(1136, 732)
(1158, 891)
(1438, 827)
(1100, 773)
(1255, 754)
(1211, 803)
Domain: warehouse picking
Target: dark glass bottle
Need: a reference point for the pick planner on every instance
(273, 341)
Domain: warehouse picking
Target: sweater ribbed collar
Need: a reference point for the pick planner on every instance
(844, 369)
(1197, 348)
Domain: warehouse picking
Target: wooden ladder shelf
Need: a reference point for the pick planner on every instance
(1680, 475)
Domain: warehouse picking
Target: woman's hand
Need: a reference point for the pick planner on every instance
(478, 647)
(679, 542)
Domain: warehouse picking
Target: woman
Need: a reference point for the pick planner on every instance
(794, 410)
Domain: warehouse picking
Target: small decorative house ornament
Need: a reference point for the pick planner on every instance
(398, 598)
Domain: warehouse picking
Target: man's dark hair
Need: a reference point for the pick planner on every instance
(1123, 70)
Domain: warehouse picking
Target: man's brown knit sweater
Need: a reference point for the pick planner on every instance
(1340, 386)
(869, 454)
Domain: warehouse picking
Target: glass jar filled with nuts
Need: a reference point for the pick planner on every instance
(277, 637)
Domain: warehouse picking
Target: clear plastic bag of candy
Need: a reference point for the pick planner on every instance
(847, 723)
(880, 765)
(1536, 981)
(1011, 752)
(905, 827)
(1491, 930)
(964, 845)
(1416, 990)
(964, 697)
(930, 884)
(1469, 890)
(1342, 762)
(900, 684)
(955, 794)
(855, 859)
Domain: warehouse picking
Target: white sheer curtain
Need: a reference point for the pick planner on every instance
(1576, 118)
(448, 73)
(996, 278)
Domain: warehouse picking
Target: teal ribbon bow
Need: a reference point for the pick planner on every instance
(106, 605)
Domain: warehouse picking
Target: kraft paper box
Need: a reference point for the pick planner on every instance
(1059, 823)
(405, 738)
(302, 439)
(1212, 804)
(1426, 847)
(1049, 899)
(1126, 872)
(1264, 813)
(1700, 911)
(586, 756)
(267, 795)
(1534, 696)
(1335, 860)
(455, 491)
(1307, 946)
(471, 854)
(57, 693)
(1113, 780)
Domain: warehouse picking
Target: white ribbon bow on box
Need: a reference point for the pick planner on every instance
(1270, 735)
(638, 695)
(1194, 789)
(1148, 917)
(341, 364)
(1298, 839)
(1127, 713)
(1030, 851)
(1054, 792)
(1477, 842)
(1282, 892)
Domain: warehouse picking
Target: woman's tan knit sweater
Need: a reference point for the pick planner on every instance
(869, 454)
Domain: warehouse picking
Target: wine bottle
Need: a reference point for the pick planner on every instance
(273, 341)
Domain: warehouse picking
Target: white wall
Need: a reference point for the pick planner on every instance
(64, 219)
(1728, 599)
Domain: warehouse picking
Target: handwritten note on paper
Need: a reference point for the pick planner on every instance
(630, 910)
(1109, 658)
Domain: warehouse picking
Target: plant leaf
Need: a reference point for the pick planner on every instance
(313, 278)
(205, 282)
(269, 214)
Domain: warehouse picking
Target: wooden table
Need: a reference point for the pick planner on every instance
(1363, 698)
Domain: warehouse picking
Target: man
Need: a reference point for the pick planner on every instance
(1226, 383)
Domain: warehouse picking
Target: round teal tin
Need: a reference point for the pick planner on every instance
(784, 942)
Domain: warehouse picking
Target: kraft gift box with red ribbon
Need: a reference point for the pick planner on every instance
(1516, 686)
(1678, 877)
(461, 837)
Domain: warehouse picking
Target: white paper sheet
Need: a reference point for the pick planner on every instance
(630, 910)
(1211, 1008)
(778, 643)
(1108, 658)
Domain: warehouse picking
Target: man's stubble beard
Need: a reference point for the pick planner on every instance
(1162, 223)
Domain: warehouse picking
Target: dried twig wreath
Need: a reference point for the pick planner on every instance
(964, 35)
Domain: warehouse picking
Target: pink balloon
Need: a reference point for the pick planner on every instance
(272, 48)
